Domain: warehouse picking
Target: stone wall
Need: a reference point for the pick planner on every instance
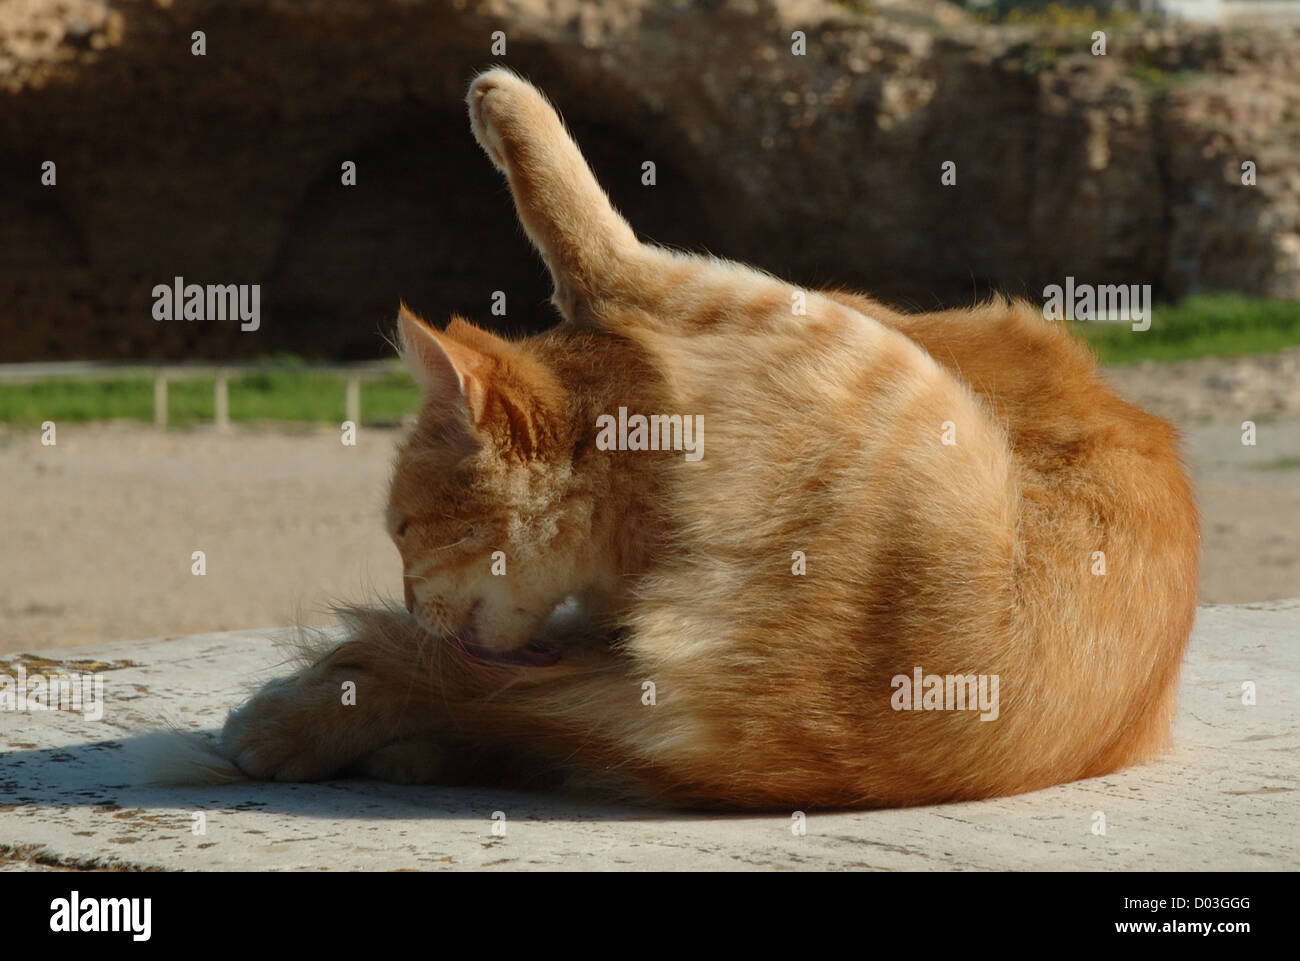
(823, 168)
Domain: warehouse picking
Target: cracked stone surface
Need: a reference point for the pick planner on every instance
(71, 795)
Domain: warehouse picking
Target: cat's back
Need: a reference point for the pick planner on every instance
(827, 424)
(959, 489)
(1107, 530)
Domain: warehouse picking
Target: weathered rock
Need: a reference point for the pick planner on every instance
(824, 168)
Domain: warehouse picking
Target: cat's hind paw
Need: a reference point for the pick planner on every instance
(494, 97)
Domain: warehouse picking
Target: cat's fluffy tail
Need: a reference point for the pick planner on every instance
(170, 756)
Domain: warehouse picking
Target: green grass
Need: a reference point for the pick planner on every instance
(280, 396)
(1059, 16)
(1157, 80)
(1282, 463)
(1224, 325)
(58, 399)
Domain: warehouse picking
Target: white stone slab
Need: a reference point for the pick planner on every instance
(70, 795)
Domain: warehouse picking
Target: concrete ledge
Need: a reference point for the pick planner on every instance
(1226, 797)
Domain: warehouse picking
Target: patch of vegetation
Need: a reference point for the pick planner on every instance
(1038, 59)
(274, 395)
(862, 8)
(1071, 18)
(1282, 463)
(1157, 80)
(58, 399)
(1222, 325)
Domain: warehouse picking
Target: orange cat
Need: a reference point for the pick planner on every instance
(856, 557)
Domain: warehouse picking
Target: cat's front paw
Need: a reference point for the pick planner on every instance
(278, 736)
(416, 760)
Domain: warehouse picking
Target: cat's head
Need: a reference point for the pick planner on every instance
(483, 505)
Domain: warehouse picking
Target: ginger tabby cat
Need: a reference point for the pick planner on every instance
(943, 479)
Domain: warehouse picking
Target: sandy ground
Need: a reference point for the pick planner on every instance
(99, 530)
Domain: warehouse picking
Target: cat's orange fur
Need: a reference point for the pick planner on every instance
(823, 436)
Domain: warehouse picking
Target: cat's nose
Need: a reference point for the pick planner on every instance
(410, 597)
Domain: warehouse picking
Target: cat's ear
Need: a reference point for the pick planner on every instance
(476, 338)
(449, 371)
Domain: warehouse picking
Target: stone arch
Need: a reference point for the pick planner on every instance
(36, 229)
(431, 222)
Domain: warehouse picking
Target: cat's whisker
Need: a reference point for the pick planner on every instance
(426, 569)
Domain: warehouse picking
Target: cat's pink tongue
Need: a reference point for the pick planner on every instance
(531, 655)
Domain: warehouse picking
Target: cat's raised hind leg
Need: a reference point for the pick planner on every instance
(590, 249)
(604, 277)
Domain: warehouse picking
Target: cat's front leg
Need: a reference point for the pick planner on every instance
(414, 760)
(320, 723)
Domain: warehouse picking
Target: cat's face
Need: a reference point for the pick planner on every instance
(480, 507)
